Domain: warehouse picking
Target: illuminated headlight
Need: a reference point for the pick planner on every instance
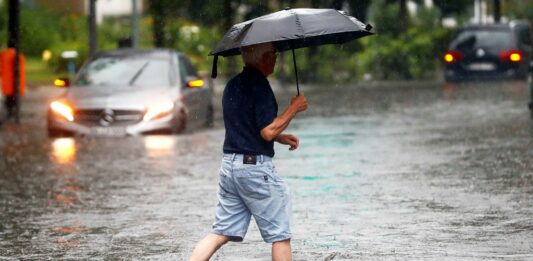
(158, 110)
(63, 109)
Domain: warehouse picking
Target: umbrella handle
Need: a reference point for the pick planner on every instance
(214, 71)
(295, 72)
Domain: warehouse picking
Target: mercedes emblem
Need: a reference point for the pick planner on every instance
(107, 117)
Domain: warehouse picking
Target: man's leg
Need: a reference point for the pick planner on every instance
(208, 246)
(281, 250)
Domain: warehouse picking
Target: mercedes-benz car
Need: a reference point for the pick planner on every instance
(132, 92)
(489, 52)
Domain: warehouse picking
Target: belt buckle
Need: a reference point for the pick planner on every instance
(249, 159)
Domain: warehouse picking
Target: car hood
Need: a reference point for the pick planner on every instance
(119, 98)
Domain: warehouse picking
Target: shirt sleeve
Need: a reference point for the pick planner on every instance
(265, 106)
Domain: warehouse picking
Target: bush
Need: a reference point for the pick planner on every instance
(412, 54)
(3, 25)
(38, 31)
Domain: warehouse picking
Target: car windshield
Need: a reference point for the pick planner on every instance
(482, 38)
(139, 71)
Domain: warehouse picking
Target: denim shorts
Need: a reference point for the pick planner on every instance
(247, 190)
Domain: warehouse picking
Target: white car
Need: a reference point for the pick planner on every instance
(132, 92)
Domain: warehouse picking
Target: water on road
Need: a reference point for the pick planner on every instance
(431, 173)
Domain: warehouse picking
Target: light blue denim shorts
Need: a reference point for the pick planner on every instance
(246, 190)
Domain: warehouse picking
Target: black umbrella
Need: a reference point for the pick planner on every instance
(291, 29)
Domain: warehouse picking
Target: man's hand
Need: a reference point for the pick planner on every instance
(299, 103)
(280, 123)
(288, 139)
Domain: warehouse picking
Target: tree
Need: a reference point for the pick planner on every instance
(452, 7)
(162, 11)
(359, 9)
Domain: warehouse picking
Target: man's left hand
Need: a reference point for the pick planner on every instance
(288, 139)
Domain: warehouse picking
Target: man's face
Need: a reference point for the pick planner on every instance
(270, 61)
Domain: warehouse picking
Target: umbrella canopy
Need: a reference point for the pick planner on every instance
(291, 29)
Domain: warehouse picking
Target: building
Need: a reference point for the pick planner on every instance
(104, 8)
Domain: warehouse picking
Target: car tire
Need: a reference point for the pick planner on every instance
(181, 123)
(53, 133)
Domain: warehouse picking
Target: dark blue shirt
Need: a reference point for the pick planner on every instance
(249, 105)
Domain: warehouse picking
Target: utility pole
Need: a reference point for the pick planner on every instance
(93, 40)
(13, 102)
(134, 24)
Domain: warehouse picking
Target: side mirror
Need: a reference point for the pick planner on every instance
(194, 82)
(62, 82)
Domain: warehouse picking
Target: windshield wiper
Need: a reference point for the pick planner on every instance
(138, 73)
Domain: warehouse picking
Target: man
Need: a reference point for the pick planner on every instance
(248, 182)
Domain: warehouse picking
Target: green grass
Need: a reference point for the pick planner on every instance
(38, 72)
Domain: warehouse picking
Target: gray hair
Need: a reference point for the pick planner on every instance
(252, 54)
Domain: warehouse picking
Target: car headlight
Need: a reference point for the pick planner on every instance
(63, 109)
(158, 110)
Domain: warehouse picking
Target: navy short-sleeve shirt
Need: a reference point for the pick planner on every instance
(248, 105)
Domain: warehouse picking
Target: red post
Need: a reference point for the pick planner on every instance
(7, 66)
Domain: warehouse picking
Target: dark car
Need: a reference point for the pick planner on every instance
(489, 52)
(132, 92)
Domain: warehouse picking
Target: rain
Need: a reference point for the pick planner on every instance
(401, 156)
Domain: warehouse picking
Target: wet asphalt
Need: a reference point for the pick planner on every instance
(393, 172)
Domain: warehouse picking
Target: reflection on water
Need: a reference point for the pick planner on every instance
(66, 199)
(449, 90)
(63, 150)
(66, 230)
(517, 87)
(159, 146)
(64, 242)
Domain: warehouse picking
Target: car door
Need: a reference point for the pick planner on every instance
(193, 96)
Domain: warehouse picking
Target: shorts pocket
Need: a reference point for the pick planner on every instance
(254, 183)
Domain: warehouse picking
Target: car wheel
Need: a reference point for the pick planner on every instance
(53, 133)
(181, 123)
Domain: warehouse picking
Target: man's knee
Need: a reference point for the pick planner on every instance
(282, 242)
(219, 240)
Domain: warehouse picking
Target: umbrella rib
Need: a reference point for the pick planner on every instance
(298, 23)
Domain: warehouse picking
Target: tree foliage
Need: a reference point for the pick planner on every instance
(406, 46)
(452, 7)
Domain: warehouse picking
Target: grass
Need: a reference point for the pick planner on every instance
(38, 72)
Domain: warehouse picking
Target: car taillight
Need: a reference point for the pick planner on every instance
(452, 56)
(511, 55)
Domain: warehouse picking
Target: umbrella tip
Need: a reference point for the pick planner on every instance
(368, 27)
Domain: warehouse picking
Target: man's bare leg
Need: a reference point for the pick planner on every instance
(207, 247)
(281, 250)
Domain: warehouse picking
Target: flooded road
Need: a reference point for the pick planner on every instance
(390, 172)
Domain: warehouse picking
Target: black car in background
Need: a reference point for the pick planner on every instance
(489, 52)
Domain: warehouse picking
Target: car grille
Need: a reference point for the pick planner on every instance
(107, 117)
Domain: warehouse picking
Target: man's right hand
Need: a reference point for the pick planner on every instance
(299, 103)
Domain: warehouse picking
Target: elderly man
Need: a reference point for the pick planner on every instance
(248, 182)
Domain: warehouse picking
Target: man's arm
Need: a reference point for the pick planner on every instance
(280, 123)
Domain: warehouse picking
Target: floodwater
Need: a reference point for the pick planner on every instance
(389, 172)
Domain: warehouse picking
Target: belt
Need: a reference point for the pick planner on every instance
(247, 158)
